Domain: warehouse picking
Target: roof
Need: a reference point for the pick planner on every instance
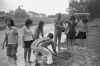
(81, 13)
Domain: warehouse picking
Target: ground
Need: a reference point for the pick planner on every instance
(90, 52)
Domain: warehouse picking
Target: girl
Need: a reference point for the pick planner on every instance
(27, 39)
(58, 31)
(82, 29)
(39, 30)
(11, 41)
(72, 31)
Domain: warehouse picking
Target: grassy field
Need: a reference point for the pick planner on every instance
(48, 28)
(92, 42)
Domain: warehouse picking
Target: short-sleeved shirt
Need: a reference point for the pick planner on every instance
(44, 42)
(82, 27)
(72, 27)
(27, 34)
(12, 35)
(58, 25)
(66, 28)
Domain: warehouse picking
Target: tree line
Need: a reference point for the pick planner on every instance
(91, 6)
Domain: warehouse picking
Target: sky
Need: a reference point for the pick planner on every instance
(40, 6)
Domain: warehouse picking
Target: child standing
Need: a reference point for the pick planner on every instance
(11, 41)
(27, 39)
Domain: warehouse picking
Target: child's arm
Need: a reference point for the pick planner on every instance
(5, 42)
(87, 30)
(42, 34)
(53, 44)
(41, 31)
(23, 40)
(17, 38)
(23, 37)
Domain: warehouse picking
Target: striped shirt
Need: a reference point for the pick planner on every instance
(39, 41)
(12, 35)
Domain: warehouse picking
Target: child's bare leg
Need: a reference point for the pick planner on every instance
(25, 54)
(9, 61)
(29, 54)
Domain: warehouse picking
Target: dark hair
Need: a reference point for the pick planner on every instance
(85, 20)
(50, 35)
(28, 22)
(11, 21)
(41, 23)
(72, 18)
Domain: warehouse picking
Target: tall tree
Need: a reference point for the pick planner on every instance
(79, 5)
(91, 6)
(94, 8)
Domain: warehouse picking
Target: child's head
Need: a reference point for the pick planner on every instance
(50, 35)
(41, 23)
(10, 22)
(28, 22)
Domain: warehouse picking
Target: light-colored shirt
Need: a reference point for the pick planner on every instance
(82, 27)
(12, 35)
(38, 41)
(27, 34)
(66, 28)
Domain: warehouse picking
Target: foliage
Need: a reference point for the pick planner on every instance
(94, 9)
(91, 6)
(79, 6)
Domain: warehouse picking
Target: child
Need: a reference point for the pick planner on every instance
(39, 30)
(45, 42)
(11, 41)
(27, 39)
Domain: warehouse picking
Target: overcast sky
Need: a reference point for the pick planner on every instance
(40, 6)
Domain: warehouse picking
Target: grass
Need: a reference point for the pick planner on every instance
(82, 56)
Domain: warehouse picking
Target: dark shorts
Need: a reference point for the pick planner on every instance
(81, 35)
(58, 34)
(27, 44)
(71, 35)
(12, 50)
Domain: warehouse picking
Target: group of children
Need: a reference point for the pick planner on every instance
(11, 41)
(28, 37)
(72, 31)
(74, 28)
